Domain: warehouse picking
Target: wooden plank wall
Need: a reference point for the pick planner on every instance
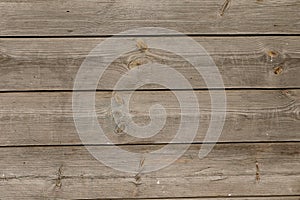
(256, 47)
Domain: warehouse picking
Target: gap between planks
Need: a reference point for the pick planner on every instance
(254, 197)
(147, 144)
(147, 89)
(164, 35)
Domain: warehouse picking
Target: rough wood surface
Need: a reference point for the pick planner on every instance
(241, 198)
(243, 62)
(68, 172)
(254, 44)
(72, 17)
(46, 118)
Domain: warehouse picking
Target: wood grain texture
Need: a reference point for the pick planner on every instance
(46, 118)
(74, 17)
(243, 62)
(71, 172)
(241, 198)
(255, 46)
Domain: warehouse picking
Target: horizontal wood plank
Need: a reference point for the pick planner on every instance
(229, 170)
(47, 119)
(243, 62)
(74, 17)
(239, 198)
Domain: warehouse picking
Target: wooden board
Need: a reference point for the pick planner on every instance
(255, 46)
(252, 115)
(228, 171)
(241, 198)
(243, 62)
(72, 17)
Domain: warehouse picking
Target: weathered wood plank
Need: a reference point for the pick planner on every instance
(241, 198)
(46, 118)
(74, 17)
(243, 62)
(71, 172)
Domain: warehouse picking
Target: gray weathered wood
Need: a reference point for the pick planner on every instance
(258, 154)
(242, 198)
(46, 118)
(71, 172)
(75, 17)
(243, 62)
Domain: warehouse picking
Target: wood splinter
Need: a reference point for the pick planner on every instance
(257, 176)
(224, 7)
(59, 177)
(138, 177)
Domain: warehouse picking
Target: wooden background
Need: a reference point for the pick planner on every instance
(254, 43)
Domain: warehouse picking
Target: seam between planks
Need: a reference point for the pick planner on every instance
(145, 90)
(150, 144)
(204, 197)
(163, 35)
